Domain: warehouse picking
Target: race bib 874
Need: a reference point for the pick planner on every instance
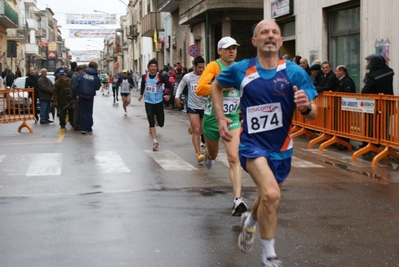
(264, 118)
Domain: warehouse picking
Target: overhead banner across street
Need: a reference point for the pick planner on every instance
(85, 55)
(90, 33)
(91, 19)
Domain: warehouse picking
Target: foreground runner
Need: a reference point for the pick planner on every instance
(269, 95)
(195, 103)
(227, 50)
(153, 88)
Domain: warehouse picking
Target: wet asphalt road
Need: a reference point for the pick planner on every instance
(140, 210)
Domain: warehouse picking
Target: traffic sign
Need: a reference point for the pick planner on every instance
(194, 50)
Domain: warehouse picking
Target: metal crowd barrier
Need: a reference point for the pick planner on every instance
(17, 105)
(368, 118)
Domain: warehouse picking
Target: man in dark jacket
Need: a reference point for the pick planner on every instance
(328, 81)
(345, 83)
(379, 77)
(45, 88)
(88, 84)
(316, 74)
(10, 77)
(31, 82)
(73, 69)
(62, 98)
(75, 96)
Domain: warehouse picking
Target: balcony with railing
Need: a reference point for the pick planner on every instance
(168, 5)
(14, 35)
(8, 16)
(40, 33)
(32, 49)
(32, 24)
(150, 22)
(30, 2)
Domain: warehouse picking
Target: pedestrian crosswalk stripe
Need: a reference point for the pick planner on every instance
(111, 162)
(45, 164)
(170, 161)
(222, 157)
(300, 163)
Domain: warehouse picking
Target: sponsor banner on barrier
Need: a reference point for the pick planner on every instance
(358, 105)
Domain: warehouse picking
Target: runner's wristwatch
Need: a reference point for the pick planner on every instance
(306, 112)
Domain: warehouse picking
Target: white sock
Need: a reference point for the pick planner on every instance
(250, 222)
(268, 248)
(155, 141)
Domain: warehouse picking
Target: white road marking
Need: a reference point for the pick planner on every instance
(222, 157)
(45, 164)
(169, 161)
(300, 163)
(111, 162)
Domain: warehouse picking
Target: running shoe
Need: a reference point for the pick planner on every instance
(239, 207)
(208, 162)
(200, 157)
(272, 262)
(155, 146)
(125, 113)
(246, 237)
(202, 144)
(84, 132)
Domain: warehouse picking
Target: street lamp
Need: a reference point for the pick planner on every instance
(106, 13)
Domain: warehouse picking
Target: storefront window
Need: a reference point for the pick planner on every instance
(345, 41)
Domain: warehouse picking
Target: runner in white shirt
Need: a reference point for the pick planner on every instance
(125, 83)
(195, 103)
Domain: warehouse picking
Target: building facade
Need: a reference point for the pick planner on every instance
(30, 37)
(342, 32)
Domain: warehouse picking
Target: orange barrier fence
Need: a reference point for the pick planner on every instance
(368, 118)
(17, 105)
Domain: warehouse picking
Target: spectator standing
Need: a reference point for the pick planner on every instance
(45, 89)
(31, 82)
(345, 84)
(379, 77)
(316, 75)
(305, 65)
(18, 73)
(88, 84)
(10, 77)
(72, 71)
(62, 98)
(329, 80)
(75, 96)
